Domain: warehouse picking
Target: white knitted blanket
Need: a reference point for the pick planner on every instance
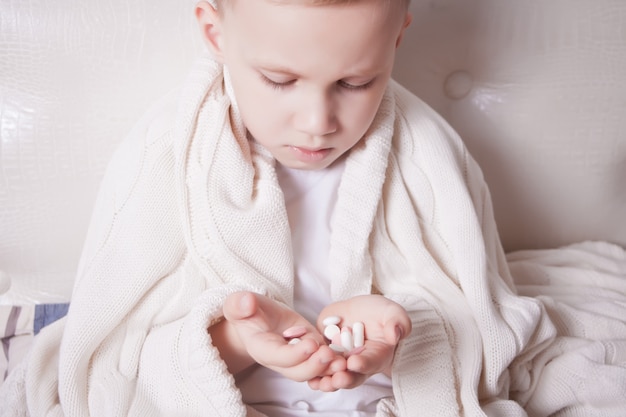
(190, 211)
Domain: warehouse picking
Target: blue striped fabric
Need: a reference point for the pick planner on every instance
(46, 314)
(18, 325)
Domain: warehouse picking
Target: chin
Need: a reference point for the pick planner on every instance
(306, 166)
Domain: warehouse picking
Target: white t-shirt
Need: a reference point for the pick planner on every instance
(310, 198)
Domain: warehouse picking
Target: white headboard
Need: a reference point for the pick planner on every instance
(536, 88)
(74, 76)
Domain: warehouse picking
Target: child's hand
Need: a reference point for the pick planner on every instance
(386, 323)
(263, 327)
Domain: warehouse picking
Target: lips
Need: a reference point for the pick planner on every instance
(310, 155)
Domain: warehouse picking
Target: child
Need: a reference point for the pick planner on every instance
(290, 181)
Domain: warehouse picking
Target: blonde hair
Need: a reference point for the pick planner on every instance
(311, 2)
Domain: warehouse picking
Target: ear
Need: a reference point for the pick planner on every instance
(210, 24)
(407, 21)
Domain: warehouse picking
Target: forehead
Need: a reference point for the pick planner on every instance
(378, 15)
(295, 33)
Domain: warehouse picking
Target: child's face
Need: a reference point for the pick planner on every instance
(308, 79)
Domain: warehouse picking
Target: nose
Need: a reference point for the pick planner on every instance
(316, 116)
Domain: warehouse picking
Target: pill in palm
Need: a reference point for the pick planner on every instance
(295, 340)
(346, 339)
(331, 330)
(358, 334)
(337, 348)
(330, 320)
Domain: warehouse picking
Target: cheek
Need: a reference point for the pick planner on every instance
(258, 111)
(359, 114)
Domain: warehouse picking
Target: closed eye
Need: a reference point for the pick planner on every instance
(276, 85)
(341, 83)
(355, 87)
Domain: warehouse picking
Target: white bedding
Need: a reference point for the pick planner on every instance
(18, 326)
(583, 287)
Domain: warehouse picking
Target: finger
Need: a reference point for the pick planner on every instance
(240, 305)
(341, 380)
(295, 331)
(311, 368)
(393, 334)
(363, 364)
(338, 364)
(376, 357)
(396, 330)
(280, 353)
(325, 384)
(398, 326)
(348, 380)
(314, 383)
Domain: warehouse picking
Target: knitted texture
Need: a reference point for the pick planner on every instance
(190, 210)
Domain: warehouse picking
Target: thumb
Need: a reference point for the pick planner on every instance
(240, 305)
(396, 330)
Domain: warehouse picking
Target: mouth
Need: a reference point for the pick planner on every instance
(310, 155)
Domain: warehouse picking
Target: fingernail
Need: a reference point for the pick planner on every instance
(399, 333)
(295, 331)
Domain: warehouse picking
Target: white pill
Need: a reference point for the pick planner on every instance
(294, 341)
(337, 348)
(330, 320)
(331, 331)
(346, 339)
(358, 334)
